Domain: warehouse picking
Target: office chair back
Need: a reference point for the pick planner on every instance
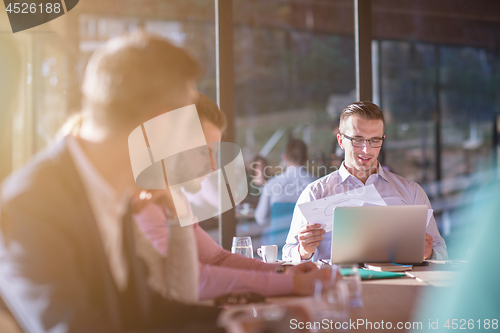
(281, 218)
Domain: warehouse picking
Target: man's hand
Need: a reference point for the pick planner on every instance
(428, 246)
(305, 267)
(303, 284)
(309, 237)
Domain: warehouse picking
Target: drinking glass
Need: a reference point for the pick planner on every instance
(243, 246)
(331, 301)
(350, 274)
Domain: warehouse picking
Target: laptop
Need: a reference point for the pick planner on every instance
(379, 234)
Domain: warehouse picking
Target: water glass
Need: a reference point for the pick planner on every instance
(350, 274)
(243, 246)
(331, 301)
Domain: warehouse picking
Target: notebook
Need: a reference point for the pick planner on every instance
(389, 267)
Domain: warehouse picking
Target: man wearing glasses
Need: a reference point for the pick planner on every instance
(361, 135)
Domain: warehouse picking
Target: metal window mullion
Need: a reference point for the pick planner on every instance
(225, 97)
(363, 41)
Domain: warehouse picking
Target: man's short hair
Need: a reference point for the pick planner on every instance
(209, 110)
(364, 109)
(133, 75)
(296, 151)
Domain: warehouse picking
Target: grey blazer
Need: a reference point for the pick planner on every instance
(54, 276)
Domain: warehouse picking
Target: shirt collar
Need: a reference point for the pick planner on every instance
(88, 171)
(96, 183)
(344, 173)
(381, 172)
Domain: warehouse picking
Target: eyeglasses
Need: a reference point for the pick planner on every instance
(360, 143)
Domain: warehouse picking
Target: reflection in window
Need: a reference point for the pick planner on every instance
(294, 73)
(436, 78)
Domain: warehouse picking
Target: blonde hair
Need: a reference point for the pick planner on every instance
(132, 76)
(363, 109)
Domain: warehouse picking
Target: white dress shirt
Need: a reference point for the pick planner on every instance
(394, 189)
(180, 280)
(108, 207)
(285, 187)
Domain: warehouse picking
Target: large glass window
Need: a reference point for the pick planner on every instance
(52, 59)
(436, 75)
(291, 69)
(436, 78)
(294, 73)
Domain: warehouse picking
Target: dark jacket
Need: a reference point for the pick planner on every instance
(54, 275)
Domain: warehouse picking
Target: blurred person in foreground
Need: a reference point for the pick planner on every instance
(68, 256)
(10, 74)
(472, 302)
(361, 135)
(288, 185)
(223, 272)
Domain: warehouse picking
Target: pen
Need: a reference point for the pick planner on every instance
(416, 278)
(325, 262)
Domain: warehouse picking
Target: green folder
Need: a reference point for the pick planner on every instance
(372, 275)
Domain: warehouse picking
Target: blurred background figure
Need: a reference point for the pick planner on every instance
(286, 186)
(280, 193)
(260, 172)
(336, 153)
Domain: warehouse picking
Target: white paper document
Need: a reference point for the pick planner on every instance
(321, 211)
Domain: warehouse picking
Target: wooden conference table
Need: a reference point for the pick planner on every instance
(392, 300)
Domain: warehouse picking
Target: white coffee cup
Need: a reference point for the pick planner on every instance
(268, 252)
